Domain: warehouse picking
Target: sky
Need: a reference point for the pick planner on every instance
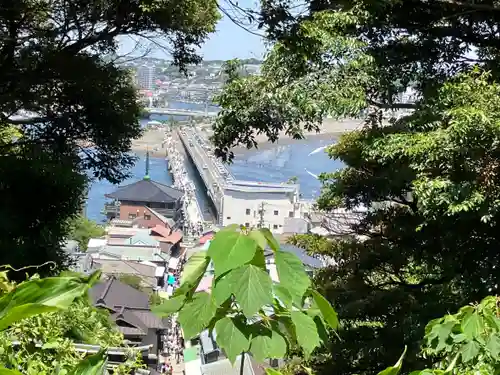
(228, 42)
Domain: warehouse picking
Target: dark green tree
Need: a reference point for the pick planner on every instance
(427, 181)
(76, 112)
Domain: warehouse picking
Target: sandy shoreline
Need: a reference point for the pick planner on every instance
(330, 130)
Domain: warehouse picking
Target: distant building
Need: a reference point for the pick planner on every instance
(145, 77)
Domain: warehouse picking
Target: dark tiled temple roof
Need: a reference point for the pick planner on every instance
(146, 191)
(127, 304)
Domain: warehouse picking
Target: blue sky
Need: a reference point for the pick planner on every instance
(229, 41)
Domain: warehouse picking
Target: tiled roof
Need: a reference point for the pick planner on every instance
(147, 191)
(136, 253)
(114, 293)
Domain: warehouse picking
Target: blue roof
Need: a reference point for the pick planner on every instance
(308, 260)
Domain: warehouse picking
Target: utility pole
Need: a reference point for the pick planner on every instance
(261, 215)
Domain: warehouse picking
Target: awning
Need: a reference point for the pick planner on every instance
(173, 263)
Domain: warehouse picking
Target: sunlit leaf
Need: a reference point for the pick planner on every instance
(230, 250)
(271, 241)
(327, 311)
(92, 365)
(305, 328)
(252, 288)
(38, 296)
(232, 337)
(291, 274)
(6, 371)
(196, 314)
(268, 344)
(394, 370)
(194, 268)
(169, 306)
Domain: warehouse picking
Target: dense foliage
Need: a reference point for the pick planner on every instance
(250, 311)
(428, 178)
(78, 112)
(83, 229)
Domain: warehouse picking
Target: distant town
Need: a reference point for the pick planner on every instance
(159, 82)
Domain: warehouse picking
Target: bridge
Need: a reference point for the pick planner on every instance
(216, 176)
(179, 112)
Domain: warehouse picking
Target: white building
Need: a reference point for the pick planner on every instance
(267, 205)
(145, 77)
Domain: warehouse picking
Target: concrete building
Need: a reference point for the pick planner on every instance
(261, 205)
(145, 77)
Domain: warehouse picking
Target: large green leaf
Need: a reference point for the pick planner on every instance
(258, 237)
(222, 289)
(232, 336)
(271, 241)
(306, 331)
(92, 365)
(169, 306)
(6, 371)
(195, 268)
(38, 296)
(282, 294)
(394, 370)
(196, 314)
(327, 311)
(230, 250)
(268, 343)
(252, 288)
(292, 274)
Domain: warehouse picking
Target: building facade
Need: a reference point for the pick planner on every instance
(262, 208)
(145, 77)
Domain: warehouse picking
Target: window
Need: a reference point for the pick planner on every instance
(247, 225)
(290, 213)
(248, 211)
(275, 226)
(228, 218)
(132, 216)
(147, 217)
(276, 212)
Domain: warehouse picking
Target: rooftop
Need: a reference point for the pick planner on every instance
(147, 191)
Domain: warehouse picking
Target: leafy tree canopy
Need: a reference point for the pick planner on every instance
(83, 229)
(74, 112)
(428, 179)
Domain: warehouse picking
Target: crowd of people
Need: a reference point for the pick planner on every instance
(173, 342)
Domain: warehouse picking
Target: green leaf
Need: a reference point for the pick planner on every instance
(195, 268)
(222, 289)
(92, 365)
(327, 311)
(394, 370)
(271, 241)
(469, 351)
(252, 288)
(283, 295)
(196, 314)
(472, 325)
(493, 345)
(230, 250)
(292, 275)
(305, 328)
(259, 238)
(38, 296)
(268, 344)
(259, 259)
(7, 371)
(231, 336)
(169, 306)
(270, 371)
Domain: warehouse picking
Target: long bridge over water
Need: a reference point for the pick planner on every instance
(179, 112)
(235, 200)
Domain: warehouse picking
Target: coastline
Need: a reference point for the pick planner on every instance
(331, 129)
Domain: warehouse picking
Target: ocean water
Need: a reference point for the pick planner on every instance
(272, 164)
